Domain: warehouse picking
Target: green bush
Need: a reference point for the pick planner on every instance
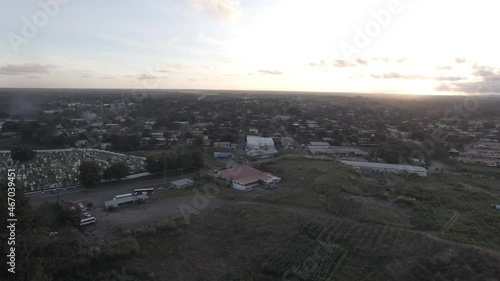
(168, 225)
(404, 200)
(119, 249)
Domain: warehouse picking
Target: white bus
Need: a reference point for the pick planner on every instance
(86, 221)
(145, 191)
(123, 195)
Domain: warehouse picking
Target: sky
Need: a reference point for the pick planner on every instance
(361, 46)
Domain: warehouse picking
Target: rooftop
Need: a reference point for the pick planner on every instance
(240, 172)
(182, 182)
(385, 166)
(128, 199)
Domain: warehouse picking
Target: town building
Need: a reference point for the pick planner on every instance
(246, 178)
(287, 142)
(182, 183)
(388, 168)
(260, 147)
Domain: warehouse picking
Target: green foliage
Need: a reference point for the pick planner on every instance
(116, 171)
(426, 218)
(90, 173)
(305, 258)
(22, 154)
(464, 264)
(175, 161)
(119, 249)
(404, 200)
(52, 215)
(168, 225)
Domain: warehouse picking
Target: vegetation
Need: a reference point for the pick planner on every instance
(116, 171)
(41, 256)
(174, 161)
(413, 202)
(90, 173)
(22, 154)
(292, 259)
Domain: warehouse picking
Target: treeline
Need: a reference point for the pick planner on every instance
(175, 161)
(39, 132)
(90, 172)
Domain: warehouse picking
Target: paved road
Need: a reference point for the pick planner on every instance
(102, 193)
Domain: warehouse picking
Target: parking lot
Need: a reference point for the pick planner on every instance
(150, 212)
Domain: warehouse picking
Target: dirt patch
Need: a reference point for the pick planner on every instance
(148, 213)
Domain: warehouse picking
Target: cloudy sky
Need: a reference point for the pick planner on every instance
(370, 46)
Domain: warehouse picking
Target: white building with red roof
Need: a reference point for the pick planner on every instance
(245, 177)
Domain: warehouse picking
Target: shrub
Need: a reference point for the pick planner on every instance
(404, 200)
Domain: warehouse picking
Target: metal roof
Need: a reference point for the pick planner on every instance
(182, 182)
(124, 200)
(385, 166)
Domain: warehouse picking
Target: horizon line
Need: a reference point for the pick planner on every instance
(242, 90)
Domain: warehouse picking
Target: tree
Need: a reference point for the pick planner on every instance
(198, 159)
(153, 164)
(389, 155)
(116, 171)
(22, 154)
(198, 141)
(9, 126)
(90, 173)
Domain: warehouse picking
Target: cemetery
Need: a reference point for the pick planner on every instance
(58, 168)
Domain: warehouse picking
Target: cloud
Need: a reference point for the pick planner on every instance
(395, 75)
(16, 69)
(487, 82)
(362, 61)
(460, 60)
(356, 63)
(343, 63)
(450, 78)
(445, 67)
(227, 11)
(83, 73)
(147, 77)
(337, 63)
(320, 64)
(107, 77)
(486, 72)
(270, 72)
(481, 87)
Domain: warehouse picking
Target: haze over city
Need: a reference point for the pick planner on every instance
(402, 47)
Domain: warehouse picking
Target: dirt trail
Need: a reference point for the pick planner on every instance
(452, 220)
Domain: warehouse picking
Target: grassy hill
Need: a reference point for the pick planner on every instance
(326, 221)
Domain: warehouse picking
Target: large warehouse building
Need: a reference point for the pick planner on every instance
(260, 147)
(245, 177)
(388, 168)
